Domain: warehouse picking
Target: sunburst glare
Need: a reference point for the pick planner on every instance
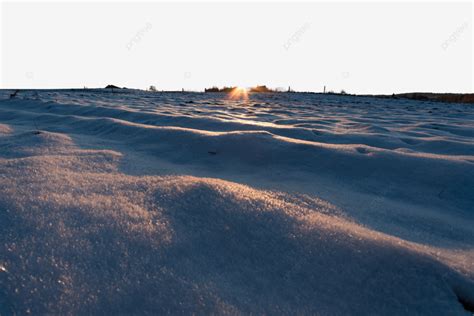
(239, 93)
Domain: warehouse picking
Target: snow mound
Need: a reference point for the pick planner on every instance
(79, 236)
(5, 129)
(190, 203)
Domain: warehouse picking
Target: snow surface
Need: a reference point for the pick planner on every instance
(146, 203)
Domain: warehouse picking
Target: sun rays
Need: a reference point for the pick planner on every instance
(238, 93)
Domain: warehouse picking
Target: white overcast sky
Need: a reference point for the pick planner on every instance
(359, 47)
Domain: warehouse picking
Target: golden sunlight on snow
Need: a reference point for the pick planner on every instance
(239, 93)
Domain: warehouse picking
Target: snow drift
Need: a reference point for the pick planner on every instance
(124, 204)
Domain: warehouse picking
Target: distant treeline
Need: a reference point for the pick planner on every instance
(230, 89)
(216, 89)
(440, 97)
(419, 96)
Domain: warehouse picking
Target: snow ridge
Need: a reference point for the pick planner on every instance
(105, 209)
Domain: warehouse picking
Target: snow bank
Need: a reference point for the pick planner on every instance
(4, 129)
(82, 234)
(425, 178)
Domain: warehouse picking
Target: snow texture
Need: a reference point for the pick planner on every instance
(184, 203)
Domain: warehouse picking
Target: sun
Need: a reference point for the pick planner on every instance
(239, 93)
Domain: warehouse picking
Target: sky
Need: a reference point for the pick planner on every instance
(360, 47)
